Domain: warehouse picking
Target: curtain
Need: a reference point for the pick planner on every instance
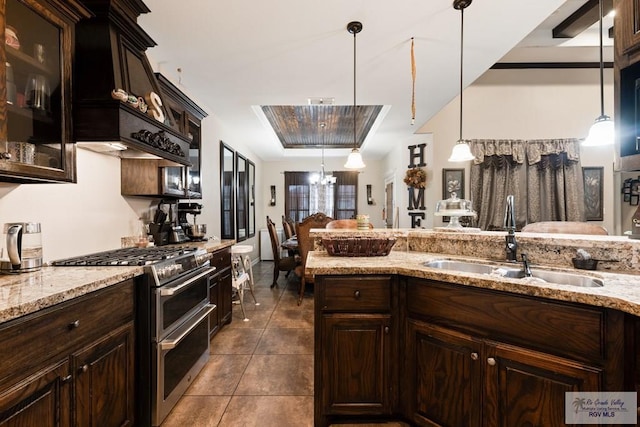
(495, 173)
(555, 181)
(545, 177)
(346, 195)
(296, 201)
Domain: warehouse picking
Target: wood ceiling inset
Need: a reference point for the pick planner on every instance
(300, 126)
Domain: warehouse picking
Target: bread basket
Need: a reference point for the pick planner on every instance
(358, 246)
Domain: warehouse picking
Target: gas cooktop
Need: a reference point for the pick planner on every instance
(127, 256)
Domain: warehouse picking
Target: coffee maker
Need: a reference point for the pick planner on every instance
(193, 231)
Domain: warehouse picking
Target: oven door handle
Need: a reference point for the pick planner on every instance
(168, 344)
(168, 291)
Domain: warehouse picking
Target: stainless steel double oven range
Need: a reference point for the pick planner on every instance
(172, 321)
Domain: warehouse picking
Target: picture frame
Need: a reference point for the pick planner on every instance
(593, 193)
(452, 182)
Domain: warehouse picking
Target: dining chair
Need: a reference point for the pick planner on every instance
(288, 230)
(288, 263)
(345, 223)
(566, 227)
(305, 244)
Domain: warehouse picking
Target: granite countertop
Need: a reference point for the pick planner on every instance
(620, 291)
(29, 292)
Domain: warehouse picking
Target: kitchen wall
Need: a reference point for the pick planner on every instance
(517, 104)
(274, 175)
(92, 215)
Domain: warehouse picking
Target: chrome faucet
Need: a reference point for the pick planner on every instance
(511, 246)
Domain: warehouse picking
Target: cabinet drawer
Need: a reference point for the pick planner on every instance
(555, 327)
(351, 293)
(54, 332)
(221, 259)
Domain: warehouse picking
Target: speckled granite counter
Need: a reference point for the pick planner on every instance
(29, 292)
(620, 291)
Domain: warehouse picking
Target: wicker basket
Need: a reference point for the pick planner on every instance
(358, 246)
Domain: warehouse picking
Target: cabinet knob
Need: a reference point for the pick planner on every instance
(474, 356)
(356, 294)
(66, 379)
(84, 368)
(491, 361)
(75, 324)
(386, 329)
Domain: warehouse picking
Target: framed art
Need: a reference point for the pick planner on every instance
(452, 182)
(593, 188)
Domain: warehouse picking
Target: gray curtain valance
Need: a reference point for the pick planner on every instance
(544, 147)
(482, 148)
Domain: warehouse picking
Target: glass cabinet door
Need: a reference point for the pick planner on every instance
(36, 75)
(194, 186)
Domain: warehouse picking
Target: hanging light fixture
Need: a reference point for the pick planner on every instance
(461, 151)
(354, 161)
(322, 178)
(602, 131)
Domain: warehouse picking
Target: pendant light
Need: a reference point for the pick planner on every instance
(461, 151)
(602, 131)
(354, 161)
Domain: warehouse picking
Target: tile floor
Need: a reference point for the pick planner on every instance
(260, 372)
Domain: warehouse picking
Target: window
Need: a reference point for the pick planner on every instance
(338, 201)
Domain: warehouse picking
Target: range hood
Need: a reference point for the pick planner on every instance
(113, 84)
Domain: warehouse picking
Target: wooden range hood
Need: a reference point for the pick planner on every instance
(110, 55)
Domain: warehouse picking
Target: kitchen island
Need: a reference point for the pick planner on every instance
(398, 340)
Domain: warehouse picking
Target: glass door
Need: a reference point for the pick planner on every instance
(36, 125)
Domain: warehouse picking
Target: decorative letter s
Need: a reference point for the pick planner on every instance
(155, 106)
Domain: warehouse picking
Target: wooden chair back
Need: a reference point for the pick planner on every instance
(566, 227)
(289, 231)
(305, 243)
(345, 223)
(275, 241)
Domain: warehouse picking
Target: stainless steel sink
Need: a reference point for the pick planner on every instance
(469, 267)
(562, 278)
(537, 275)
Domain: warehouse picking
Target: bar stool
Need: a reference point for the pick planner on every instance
(242, 274)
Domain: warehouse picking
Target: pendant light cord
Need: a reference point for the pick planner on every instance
(461, 62)
(355, 141)
(601, 64)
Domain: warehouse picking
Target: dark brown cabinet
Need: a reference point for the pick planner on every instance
(355, 351)
(457, 379)
(186, 117)
(220, 290)
(42, 399)
(627, 84)
(439, 354)
(71, 364)
(104, 370)
(35, 108)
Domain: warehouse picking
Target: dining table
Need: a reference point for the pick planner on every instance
(291, 244)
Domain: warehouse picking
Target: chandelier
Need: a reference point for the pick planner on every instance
(322, 178)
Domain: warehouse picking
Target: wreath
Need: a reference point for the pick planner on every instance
(416, 178)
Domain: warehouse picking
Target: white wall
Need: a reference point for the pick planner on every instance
(521, 104)
(274, 175)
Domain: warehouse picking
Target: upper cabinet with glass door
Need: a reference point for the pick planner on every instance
(35, 109)
(186, 118)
